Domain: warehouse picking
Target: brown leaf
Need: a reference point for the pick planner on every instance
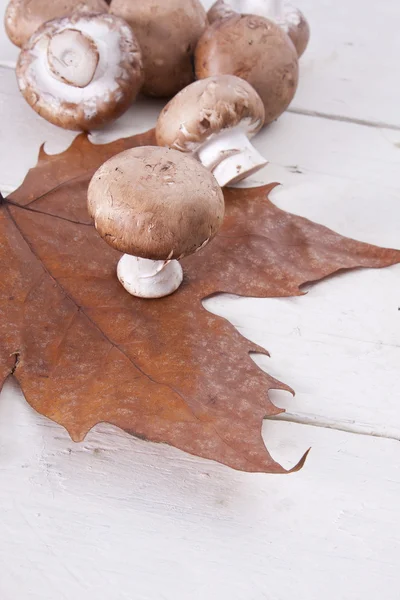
(84, 351)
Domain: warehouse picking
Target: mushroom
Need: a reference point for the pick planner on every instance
(168, 31)
(24, 17)
(290, 18)
(214, 118)
(257, 50)
(82, 71)
(156, 205)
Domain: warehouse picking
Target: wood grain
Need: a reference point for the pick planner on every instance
(86, 520)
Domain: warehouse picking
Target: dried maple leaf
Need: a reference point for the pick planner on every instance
(84, 351)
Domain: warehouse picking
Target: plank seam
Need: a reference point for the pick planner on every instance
(8, 64)
(346, 426)
(343, 119)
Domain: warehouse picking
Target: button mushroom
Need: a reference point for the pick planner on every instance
(168, 31)
(82, 71)
(255, 49)
(156, 205)
(214, 118)
(290, 18)
(24, 17)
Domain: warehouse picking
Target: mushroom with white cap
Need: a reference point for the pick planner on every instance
(24, 17)
(82, 71)
(214, 118)
(255, 49)
(287, 16)
(156, 206)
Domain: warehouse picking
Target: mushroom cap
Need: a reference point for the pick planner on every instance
(293, 22)
(220, 10)
(255, 49)
(205, 108)
(297, 28)
(114, 61)
(167, 31)
(24, 17)
(155, 203)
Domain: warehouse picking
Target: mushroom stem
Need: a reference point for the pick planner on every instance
(271, 9)
(149, 278)
(230, 157)
(73, 57)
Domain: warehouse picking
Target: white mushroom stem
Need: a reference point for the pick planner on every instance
(230, 156)
(149, 278)
(73, 57)
(271, 9)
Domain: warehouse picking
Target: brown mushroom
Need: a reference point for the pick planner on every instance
(255, 49)
(156, 205)
(222, 9)
(24, 17)
(214, 118)
(167, 31)
(290, 18)
(81, 72)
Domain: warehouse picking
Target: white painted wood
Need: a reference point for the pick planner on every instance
(118, 519)
(351, 66)
(8, 52)
(21, 128)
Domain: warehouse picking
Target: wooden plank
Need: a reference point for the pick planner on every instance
(8, 52)
(116, 517)
(349, 68)
(22, 132)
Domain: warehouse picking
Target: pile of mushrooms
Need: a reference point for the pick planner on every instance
(84, 78)
(149, 47)
(82, 64)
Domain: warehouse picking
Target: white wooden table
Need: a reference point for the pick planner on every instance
(116, 518)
